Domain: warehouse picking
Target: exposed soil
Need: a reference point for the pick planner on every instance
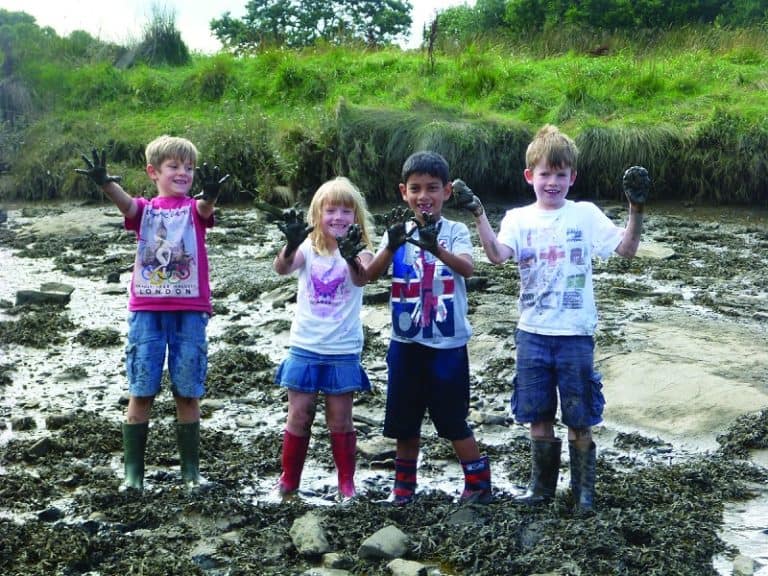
(682, 469)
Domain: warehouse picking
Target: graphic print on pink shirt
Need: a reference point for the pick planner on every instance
(327, 287)
(166, 259)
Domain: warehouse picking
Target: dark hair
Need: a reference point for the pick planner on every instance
(425, 162)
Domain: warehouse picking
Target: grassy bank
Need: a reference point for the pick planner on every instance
(690, 105)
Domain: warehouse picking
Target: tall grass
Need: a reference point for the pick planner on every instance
(689, 104)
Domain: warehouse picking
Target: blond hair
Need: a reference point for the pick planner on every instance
(339, 192)
(167, 147)
(552, 146)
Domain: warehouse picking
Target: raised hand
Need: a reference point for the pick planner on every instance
(351, 245)
(466, 199)
(294, 229)
(210, 182)
(636, 183)
(396, 232)
(97, 169)
(428, 233)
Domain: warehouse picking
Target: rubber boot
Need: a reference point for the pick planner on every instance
(545, 468)
(188, 440)
(134, 446)
(343, 446)
(294, 453)
(405, 482)
(477, 481)
(583, 461)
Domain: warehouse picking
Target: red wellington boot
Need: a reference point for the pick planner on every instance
(294, 454)
(343, 446)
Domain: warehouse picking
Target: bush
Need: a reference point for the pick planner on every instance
(162, 43)
(212, 78)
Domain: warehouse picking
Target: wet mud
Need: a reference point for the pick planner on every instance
(682, 471)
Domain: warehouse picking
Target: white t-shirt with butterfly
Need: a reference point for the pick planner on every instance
(328, 306)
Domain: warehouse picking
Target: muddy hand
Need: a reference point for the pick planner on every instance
(466, 199)
(636, 183)
(97, 169)
(210, 182)
(294, 229)
(352, 244)
(428, 233)
(396, 232)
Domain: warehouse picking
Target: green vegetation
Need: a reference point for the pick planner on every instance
(688, 103)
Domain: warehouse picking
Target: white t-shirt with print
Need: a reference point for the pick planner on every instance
(554, 251)
(328, 306)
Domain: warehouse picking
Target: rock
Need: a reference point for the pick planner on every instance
(654, 250)
(477, 283)
(400, 567)
(308, 535)
(24, 297)
(280, 296)
(205, 555)
(58, 421)
(325, 572)
(388, 543)
(484, 418)
(54, 293)
(40, 448)
(57, 287)
(376, 294)
(50, 514)
(743, 566)
(466, 515)
(377, 449)
(23, 423)
(337, 561)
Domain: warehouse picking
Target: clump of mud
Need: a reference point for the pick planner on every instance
(748, 432)
(98, 337)
(37, 327)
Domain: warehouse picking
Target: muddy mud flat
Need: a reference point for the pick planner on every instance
(682, 472)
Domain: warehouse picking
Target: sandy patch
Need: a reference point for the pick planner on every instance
(686, 376)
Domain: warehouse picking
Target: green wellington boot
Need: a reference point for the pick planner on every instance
(188, 439)
(134, 446)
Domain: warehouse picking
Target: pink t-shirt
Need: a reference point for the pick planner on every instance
(171, 267)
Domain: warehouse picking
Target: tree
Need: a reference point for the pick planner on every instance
(300, 23)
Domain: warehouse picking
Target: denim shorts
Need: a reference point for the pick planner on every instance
(552, 365)
(182, 334)
(421, 378)
(332, 374)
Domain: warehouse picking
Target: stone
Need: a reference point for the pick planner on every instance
(308, 535)
(388, 543)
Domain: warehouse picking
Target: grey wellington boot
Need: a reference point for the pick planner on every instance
(545, 468)
(583, 462)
